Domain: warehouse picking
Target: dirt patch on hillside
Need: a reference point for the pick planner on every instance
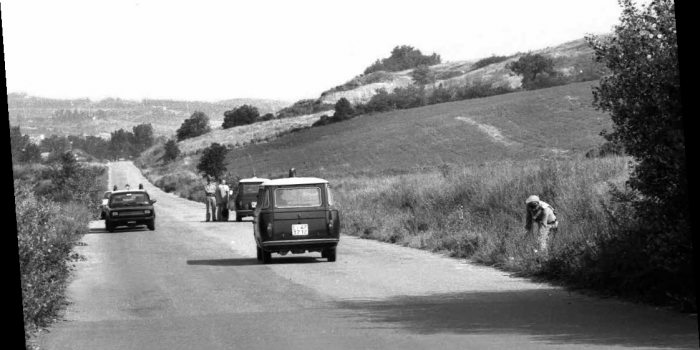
(491, 131)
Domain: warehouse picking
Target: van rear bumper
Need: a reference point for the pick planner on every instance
(317, 243)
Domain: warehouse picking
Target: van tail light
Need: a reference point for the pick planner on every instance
(269, 229)
(330, 225)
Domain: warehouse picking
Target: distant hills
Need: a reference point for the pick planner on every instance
(39, 115)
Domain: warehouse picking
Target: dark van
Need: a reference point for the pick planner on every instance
(247, 197)
(296, 215)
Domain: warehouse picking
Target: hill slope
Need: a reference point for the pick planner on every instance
(530, 124)
(570, 58)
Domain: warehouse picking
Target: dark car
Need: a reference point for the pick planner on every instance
(247, 197)
(130, 208)
(296, 215)
(103, 205)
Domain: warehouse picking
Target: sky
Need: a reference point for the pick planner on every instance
(267, 49)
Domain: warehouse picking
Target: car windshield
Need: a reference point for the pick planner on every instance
(129, 198)
(251, 188)
(297, 197)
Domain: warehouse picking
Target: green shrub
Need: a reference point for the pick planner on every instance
(46, 235)
(488, 61)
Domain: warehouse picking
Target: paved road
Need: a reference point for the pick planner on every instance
(192, 284)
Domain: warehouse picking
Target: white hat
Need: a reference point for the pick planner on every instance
(532, 198)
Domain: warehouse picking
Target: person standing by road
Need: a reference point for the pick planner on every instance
(540, 221)
(210, 190)
(221, 201)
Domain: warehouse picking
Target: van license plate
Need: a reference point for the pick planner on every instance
(300, 230)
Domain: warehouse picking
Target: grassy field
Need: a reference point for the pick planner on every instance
(545, 123)
(478, 212)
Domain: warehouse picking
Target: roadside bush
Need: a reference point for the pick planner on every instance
(46, 235)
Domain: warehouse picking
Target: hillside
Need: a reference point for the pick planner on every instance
(551, 122)
(37, 115)
(574, 57)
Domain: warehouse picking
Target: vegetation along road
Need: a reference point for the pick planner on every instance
(192, 284)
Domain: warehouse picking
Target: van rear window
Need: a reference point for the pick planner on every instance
(298, 197)
(251, 189)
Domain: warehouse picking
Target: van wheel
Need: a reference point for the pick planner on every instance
(259, 253)
(109, 226)
(266, 257)
(152, 225)
(331, 254)
(238, 218)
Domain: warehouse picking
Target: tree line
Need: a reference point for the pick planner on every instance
(122, 143)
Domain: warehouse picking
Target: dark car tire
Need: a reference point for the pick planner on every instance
(239, 218)
(259, 253)
(266, 257)
(331, 254)
(110, 226)
(152, 225)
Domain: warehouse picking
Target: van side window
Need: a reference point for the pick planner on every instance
(265, 199)
(330, 195)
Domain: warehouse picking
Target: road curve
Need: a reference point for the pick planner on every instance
(192, 284)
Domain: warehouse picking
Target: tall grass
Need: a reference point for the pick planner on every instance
(478, 211)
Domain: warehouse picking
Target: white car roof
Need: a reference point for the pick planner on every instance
(133, 191)
(294, 181)
(253, 179)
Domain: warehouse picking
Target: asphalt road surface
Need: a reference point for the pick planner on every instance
(192, 284)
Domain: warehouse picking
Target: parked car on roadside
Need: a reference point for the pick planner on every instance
(247, 197)
(130, 208)
(296, 215)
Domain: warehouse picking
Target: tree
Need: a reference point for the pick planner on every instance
(243, 115)
(212, 161)
(422, 75)
(642, 93)
(402, 58)
(172, 151)
(143, 136)
(196, 125)
(343, 109)
(31, 154)
(17, 142)
(121, 143)
(530, 66)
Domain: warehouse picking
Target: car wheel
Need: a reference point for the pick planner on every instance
(110, 226)
(259, 253)
(239, 218)
(331, 254)
(266, 257)
(152, 225)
